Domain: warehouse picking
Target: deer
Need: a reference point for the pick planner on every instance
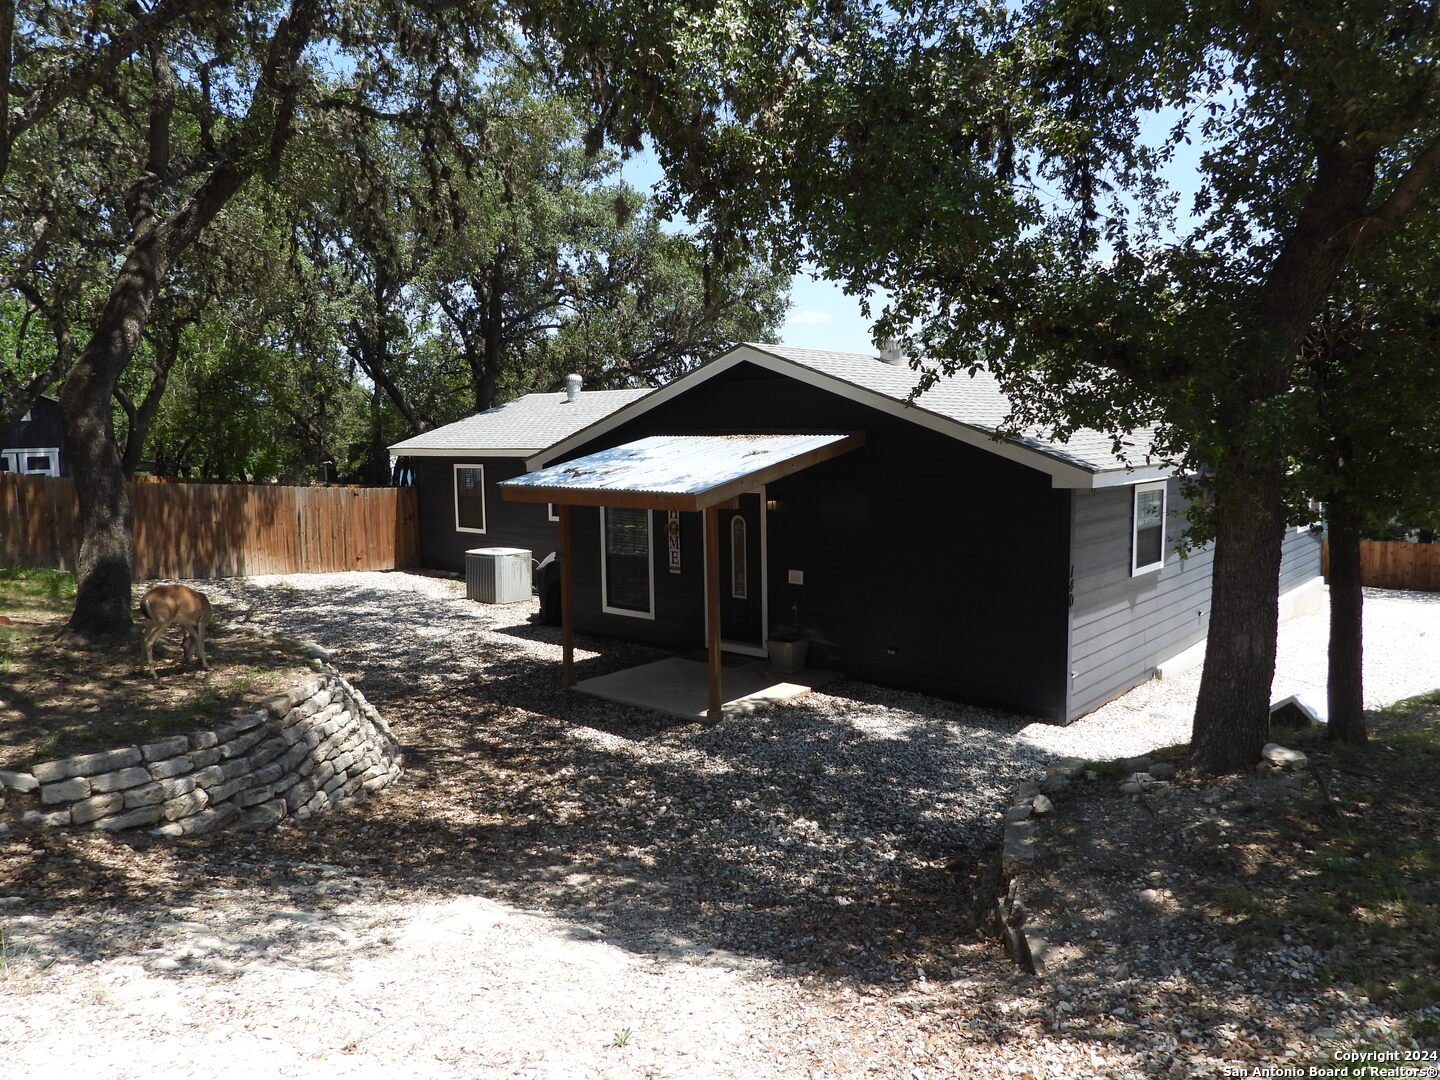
(181, 606)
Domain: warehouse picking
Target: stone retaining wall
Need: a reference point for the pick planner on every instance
(316, 746)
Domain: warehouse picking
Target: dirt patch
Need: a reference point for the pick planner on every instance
(57, 699)
(1259, 916)
(565, 887)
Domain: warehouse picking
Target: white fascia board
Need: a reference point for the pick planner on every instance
(400, 450)
(1144, 474)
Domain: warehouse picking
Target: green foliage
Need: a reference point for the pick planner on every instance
(1370, 390)
(426, 189)
(472, 266)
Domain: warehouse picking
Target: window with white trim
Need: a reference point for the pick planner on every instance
(551, 513)
(627, 566)
(1147, 534)
(470, 498)
(39, 461)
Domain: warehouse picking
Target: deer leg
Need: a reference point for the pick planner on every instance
(195, 645)
(146, 652)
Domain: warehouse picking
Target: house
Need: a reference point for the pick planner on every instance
(456, 468)
(35, 445)
(908, 544)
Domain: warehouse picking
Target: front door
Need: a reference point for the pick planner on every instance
(742, 576)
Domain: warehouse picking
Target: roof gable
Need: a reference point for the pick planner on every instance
(968, 409)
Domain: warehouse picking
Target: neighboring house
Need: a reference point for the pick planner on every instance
(912, 548)
(456, 468)
(35, 445)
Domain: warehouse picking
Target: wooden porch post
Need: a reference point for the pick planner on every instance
(712, 606)
(567, 607)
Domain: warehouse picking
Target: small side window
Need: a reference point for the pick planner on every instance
(470, 498)
(1147, 542)
(739, 571)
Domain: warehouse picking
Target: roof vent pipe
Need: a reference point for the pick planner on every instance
(890, 352)
(572, 387)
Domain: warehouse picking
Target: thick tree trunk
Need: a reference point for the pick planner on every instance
(106, 563)
(102, 598)
(1347, 687)
(1232, 714)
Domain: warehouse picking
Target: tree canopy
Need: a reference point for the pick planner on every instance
(130, 139)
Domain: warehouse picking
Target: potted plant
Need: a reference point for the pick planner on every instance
(787, 645)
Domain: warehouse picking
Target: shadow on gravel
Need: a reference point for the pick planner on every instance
(835, 834)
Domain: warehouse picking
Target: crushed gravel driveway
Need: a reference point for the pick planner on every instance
(565, 887)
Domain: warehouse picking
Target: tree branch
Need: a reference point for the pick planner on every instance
(97, 66)
(1402, 199)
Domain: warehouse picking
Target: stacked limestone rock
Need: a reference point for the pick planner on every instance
(317, 746)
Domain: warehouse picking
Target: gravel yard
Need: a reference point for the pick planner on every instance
(566, 887)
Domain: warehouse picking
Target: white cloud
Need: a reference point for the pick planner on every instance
(810, 318)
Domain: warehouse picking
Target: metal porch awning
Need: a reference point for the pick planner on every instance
(677, 472)
(672, 472)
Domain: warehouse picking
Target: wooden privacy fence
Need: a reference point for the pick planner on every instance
(1391, 564)
(220, 530)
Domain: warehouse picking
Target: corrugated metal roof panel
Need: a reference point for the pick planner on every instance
(676, 465)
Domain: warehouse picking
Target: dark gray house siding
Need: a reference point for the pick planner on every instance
(927, 563)
(507, 524)
(1300, 558)
(1122, 627)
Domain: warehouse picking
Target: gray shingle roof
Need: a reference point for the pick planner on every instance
(975, 401)
(524, 426)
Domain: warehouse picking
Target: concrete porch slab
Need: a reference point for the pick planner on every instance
(678, 687)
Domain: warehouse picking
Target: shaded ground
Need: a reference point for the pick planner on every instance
(57, 700)
(775, 896)
(1285, 915)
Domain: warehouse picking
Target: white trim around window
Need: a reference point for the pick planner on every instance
(635, 613)
(551, 514)
(479, 488)
(32, 461)
(1147, 528)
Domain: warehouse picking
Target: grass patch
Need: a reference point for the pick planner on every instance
(34, 588)
(57, 699)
